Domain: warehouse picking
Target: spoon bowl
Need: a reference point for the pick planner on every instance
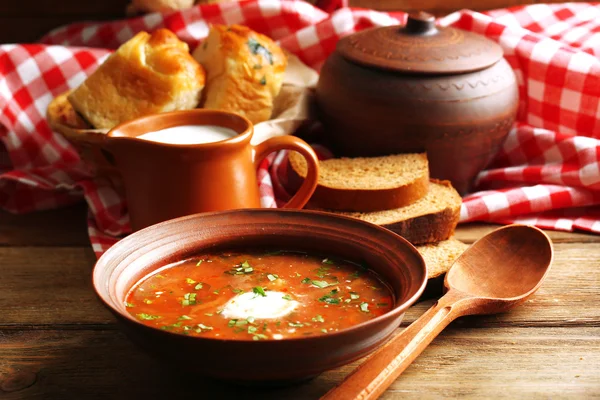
(503, 268)
(498, 272)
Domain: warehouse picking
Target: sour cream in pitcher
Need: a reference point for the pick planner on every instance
(190, 134)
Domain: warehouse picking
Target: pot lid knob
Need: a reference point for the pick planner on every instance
(420, 47)
(420, 23)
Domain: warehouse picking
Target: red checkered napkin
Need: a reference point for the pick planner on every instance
(546, 174)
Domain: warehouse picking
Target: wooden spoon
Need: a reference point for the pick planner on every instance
(498, 272)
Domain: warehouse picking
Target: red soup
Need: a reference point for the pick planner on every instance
(257, 295)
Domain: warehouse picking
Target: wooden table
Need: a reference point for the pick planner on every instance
(58, 342)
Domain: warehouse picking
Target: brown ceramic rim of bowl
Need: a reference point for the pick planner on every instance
(139, 126)
(119, 308)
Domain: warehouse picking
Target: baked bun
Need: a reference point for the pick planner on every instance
(148, 74)
(244, 71)
(61, 112)
(149, 6)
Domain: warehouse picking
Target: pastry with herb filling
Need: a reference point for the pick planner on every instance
(244, 71)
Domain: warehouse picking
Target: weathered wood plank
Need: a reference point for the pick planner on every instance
(61, 227)
(50, 286)
(470, 363)
(469, 233)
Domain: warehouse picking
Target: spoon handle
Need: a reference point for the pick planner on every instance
(381, 369)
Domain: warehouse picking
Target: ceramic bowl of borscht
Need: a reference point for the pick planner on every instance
(301, 292)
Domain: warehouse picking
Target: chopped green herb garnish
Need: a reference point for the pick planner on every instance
(321, 284)
(259, 291)
(159, 276)
(198, 286)
(355, 274)
(252, 329)
(236, 290)
(263, 80)
(259, 336)
(184, 317)
(208, 314)
(382, 304)
(241, 322)
(318, 318)
(295, 324)
(147, 317)
(272, 277)
(354, 295)
(232, 322)
(306, 280)
(243, 268)
(375, 287)
(298, 275)
(129, 305)
(323, 271)
(277, 323)
(190, 281)
(257, 48)
(327, 261)
(287, 297)
(216, 291)
(204, 327)
(324, 330)
(329, 299)
(189, 299)
(199, 262)
(364, 307)
(347, 300)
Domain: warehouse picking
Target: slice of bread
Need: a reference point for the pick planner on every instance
(429, 220)
(440, 256)
(366, 184)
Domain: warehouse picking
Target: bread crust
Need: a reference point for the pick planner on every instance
(448, 250)
(429, 228)
(244, 71)
(150, 73)
(359, 200)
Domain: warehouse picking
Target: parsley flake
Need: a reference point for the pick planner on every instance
(320, 284)
(287, 297)
(272, 277)
(364, 307)
(295, 324)
(190, 281)
(198, 286)
(129, 305)
(263, 80)
(327, 261)
(257, 48)
(354, 295)
(306, 280)
(184, 317)
(259, 291)
(318, 318)
(189, 299)
(147, 317)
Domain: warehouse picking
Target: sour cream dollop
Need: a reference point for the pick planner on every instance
(250, 304)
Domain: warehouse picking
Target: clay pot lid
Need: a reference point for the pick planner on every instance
(420, 47)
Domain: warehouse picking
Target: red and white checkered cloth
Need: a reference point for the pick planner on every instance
(547, 173)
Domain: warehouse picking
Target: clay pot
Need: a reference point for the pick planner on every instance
(392, 257)
(419, 88)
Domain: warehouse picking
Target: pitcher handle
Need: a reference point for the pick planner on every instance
(293, 143)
